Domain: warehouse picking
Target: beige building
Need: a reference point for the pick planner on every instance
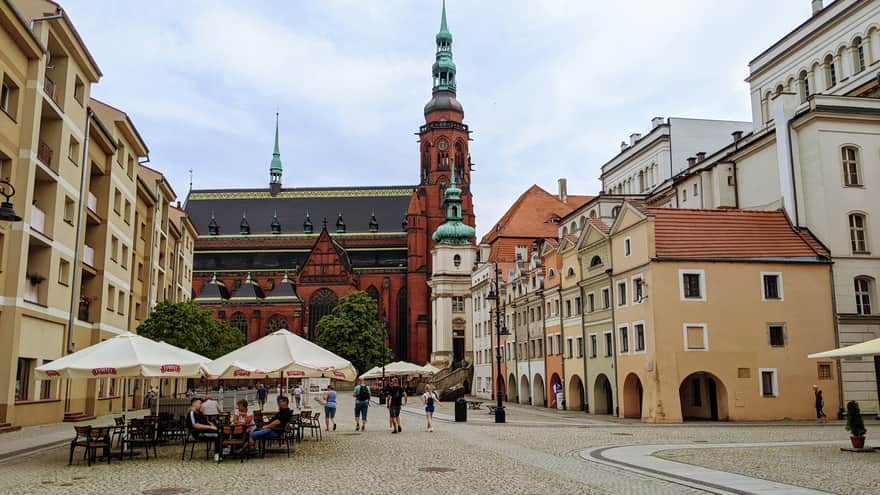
(68, 269)
(715, 313)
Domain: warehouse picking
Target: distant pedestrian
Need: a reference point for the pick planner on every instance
(820, 405)
(297, 395)
(262, 393)
(210, 407)
(430, 400)
(361, 395)
(396, 399)
(329, 400)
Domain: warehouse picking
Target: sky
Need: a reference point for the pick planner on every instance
(550, 87)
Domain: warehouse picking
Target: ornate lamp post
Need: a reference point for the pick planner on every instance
(494, 295)
(7, 212)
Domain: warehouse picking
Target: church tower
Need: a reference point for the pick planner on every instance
(443, 151)
(275, 165)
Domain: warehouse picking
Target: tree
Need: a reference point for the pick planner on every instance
(354, 332)
(192, 327)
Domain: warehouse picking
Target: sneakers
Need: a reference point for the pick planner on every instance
(399, 429)
(216, 457)
(357, 428)
(334, 426)
(431, 430)
(394, 431)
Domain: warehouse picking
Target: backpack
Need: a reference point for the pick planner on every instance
(430, 401)
(363, 393)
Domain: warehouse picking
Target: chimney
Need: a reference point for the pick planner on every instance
(701, 156)
(691, 161)
(656, 122)
(623, 145)
(633, 138)
(737, 135)
(817, 6)
(563, 190)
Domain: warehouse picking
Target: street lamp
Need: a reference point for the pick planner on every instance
(494, 295)
(7, 212)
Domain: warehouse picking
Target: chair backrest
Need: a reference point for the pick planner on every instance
(119, 420)
(100, 433)
(82, 432)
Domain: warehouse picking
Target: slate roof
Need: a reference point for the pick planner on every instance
(389, 203)
(728, 233)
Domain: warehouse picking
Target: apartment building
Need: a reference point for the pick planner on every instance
(571, 369)
(484, 334)
(68, 268)
(715, 312)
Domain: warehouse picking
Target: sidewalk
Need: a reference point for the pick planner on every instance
(31, 438)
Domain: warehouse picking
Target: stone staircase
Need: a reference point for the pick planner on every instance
(76, 417)
(8, 427)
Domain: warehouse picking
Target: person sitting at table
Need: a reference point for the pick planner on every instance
(242, 415)
(275, 427)
(199, 426)
(210, 407)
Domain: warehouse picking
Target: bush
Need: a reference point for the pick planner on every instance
(855, 425)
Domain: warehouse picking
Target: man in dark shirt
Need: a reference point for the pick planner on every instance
(199, 426)
(275, 427)
(396, 399)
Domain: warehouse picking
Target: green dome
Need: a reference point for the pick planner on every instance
(454, 232)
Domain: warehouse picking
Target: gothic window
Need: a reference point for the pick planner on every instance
(320, 305)
(275, 323)
(239, 321)
(402, 325)
(443, 155)
(459, 162)
(373, 292)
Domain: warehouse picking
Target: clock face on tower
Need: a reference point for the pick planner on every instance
(442, 146)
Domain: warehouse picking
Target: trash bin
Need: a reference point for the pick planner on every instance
(560, 401)
(460, 410)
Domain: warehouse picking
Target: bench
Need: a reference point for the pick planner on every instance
(474, 404)
(492, 409)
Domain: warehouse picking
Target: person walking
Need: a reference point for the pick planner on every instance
(329, 400)
(362, 396)
(396, 399)
(297, 395)
(430, 400)
(261, 396)
(820, 405)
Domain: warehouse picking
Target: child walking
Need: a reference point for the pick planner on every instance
(429, 400)
(329, 407)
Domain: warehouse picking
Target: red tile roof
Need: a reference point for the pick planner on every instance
(729, 233)
(600, 225)
(528, 216)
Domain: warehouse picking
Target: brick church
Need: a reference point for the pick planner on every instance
(282, 257)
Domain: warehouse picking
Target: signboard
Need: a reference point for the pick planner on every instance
(313, 388)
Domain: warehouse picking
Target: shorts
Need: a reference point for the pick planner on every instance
(429, 409)
(360, 409)
(329, 412)
(394, 411)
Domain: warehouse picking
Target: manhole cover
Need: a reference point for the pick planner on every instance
(701, 441)
(166, 491)
(623, 434)
(435, 469)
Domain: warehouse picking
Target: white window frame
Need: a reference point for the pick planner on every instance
(775, 372)
(633, 288)
(625, 289)
(693, 271)
(780, 288)
(633, 337)
(627, 246)
(628, 340)
(593, 355)
(684, 331)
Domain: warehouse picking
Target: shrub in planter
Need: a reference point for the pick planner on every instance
(35, 278)
(855, 425)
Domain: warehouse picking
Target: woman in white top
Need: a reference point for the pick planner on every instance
(429, 400)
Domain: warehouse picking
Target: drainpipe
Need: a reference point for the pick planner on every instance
(840, 405)
(564, 339)
(80, 240)
(585, 404)
(735, 186)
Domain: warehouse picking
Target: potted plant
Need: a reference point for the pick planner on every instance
(855, 425)
(35, 278)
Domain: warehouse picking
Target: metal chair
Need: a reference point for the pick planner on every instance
(142, 432)
(99, 438)
(80, 440)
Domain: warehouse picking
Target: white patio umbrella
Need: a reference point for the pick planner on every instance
(283, 354)
(869, 348)
(126, 356)
(430, 369)
(400, 368)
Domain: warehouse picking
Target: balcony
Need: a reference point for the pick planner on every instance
(38, 219)
(44, 154)
(49, 89)
(89, 255)
(92, 203)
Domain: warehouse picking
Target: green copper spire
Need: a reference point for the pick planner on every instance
(275, 166)
(444, 68)
(453, 231)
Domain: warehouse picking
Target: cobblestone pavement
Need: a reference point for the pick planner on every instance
(524, 457)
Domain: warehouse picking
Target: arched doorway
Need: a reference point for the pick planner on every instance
(703, 397)
(320, 305)
(575, 400)
(603, 399)
(554, 380)
(632, 396)
(539, 391)
(511, 389)
(524, 395)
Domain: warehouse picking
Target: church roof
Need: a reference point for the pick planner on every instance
(388, 203)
